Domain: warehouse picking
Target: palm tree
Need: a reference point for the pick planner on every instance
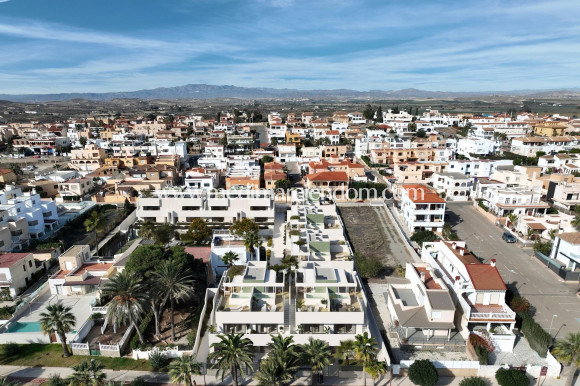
(345, 350)
(284, 357)
(88, 373)
(568, 351)
(5, 382)
(513, 219)
(230, 257)
(128, 297)
(365, 349)
(251, 241)
(318, 355)
(576, 221)
(95, 222)
(552, 233)
(531, 233)
(58, 318)
(56, 380)
(232, 353)
(268, 373)
(175, 284)
(376, 369)
(147, 229)
(182, 370)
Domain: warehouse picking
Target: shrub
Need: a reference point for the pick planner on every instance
(235, 270)
(511, 377)
(368, 267)
(473, 381)
(158, 360)
(135, 344)
(424, 237)
(6, 312)
(269, 242)
(520, 305)
(10, 349)
(139, 381)
(482, 355)
(422, 372)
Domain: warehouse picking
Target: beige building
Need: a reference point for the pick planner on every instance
(90, 158)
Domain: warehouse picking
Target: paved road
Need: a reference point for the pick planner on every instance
(522, 272)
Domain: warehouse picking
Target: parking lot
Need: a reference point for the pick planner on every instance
(521, 271)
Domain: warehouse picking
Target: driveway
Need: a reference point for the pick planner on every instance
(521, 271)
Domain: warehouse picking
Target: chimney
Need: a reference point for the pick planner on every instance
(493, 262)
(462, 251)
(454, 245)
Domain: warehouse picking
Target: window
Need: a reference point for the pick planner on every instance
(151, 208)
(30, 263)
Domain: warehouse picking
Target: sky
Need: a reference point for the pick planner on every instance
(53, 46)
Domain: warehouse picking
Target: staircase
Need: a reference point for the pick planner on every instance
(292, 313)
(286, 314)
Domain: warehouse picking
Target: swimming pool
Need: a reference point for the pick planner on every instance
(24, 327)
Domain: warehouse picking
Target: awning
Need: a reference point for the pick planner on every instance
(536, 226)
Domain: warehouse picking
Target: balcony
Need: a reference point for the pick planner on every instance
(486, 313)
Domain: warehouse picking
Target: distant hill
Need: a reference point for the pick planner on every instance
(205, 91)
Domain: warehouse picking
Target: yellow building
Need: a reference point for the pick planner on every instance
(550, 129)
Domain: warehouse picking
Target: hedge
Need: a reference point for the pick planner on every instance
(537, 337)
(482, 355)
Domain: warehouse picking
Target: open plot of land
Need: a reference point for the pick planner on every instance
(373, 235)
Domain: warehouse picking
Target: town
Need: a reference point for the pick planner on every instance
(292, 247)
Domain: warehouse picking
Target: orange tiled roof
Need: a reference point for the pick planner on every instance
(328, 176)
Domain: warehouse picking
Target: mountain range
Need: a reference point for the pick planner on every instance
(205, 91)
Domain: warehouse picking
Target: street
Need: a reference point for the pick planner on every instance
(521, 271)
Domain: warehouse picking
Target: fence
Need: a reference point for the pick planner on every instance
(83, 331)
(170, 352)
(408, 243)
(80, 348)
(557, 268)
(209, 294)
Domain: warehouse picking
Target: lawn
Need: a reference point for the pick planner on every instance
(50, 355)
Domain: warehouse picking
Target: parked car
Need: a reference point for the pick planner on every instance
(508, 237)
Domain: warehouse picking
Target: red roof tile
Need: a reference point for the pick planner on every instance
(485, 277)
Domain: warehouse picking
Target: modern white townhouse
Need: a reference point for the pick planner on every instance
(454, 186)
(476, 146)
(277, 131)
(200, 178)
(477, 289)
(566, 249)
(420, 305)
(223, 242)
(421, 208)
(564, 195)
(24, 216)
(479, 168)
(218, 208)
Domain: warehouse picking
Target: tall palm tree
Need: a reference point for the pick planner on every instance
(58, 318)
(376, 369)
(95, 222)
(318, 355)
(365, 349)
(88, 373)
(175, 284)
(252, 241)
(345, 350)
(273, 371)
(128, 297)
(182, 370)
(284, 357)
(568, 351)
(231, 354)
(230, 257)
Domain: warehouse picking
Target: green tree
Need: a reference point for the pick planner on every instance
(128, 207)
(421, 133)
(95, 222)
(576, 221)
(379, 115)
(376, 369)
(128, 297)
(317, 354)
(511, 377)
(368, 267)
(88, 373)
(231, 354)
(267, 159)
(365, 349)
(183, 370)
(369, 113)
(176, 285)
(424, 237)
(16, 169)
(283, 184)
(58, 319)
(56, 380)
(284, 356)
(345, 351)
(162, 234)
(244, 226)
(145, 259)
(568, 351)
(198, 230)
(5, 382)
(83, 141)
(230, 258)
(412, 127)
(423, 373)
(513, 220)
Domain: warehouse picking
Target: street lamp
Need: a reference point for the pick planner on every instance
(553, 316)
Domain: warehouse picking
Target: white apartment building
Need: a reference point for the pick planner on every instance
(455, 186)
(356, 118)
(16, 270)
(24, 216)
(477, 168)
(476, 146)
(201, 179)
(566, 195)
(224, 207)
(516, 200)
(566, 249)
(422, 208)
(277, 131)
(529, 146)
(478, 289)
